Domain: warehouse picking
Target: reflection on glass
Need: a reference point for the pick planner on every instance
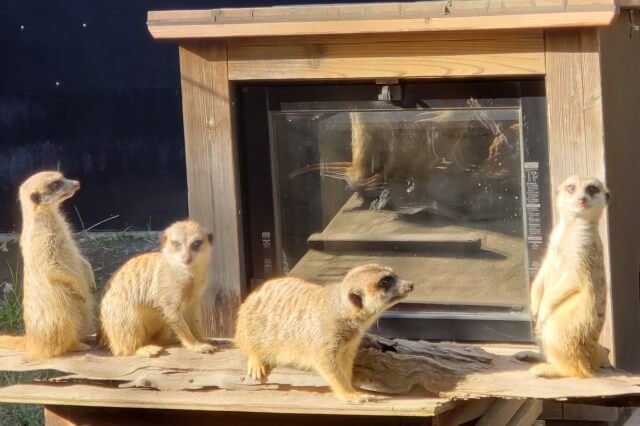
(434, 194)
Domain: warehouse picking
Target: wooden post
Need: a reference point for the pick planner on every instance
(620, 65)
(212, 174)
(574, 111)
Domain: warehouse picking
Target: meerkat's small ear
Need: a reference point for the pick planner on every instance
(210, 237)
(163, 238)
(355, 299)
(35, 197)
(607, 196)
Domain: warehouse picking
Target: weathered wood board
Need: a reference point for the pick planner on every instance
(430, 374)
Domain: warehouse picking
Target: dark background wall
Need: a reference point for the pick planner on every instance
(84, 88)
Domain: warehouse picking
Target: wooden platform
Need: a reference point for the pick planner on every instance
(426, 378)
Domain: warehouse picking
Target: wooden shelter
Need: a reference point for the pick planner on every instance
(587, 53)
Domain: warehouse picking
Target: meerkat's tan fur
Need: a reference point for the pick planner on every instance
(568, 296)
(154, 295)
(292, 322)
(57, 301)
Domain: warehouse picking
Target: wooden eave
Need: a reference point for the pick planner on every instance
(380, 18)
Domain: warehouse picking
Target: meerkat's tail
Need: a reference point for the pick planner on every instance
(17, 343)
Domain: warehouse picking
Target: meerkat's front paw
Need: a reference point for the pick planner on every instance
(150, 351)
(545, 370)
(529, 356)
(257, 370)
(203, 348)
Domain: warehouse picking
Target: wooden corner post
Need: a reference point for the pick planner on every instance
(211, 174)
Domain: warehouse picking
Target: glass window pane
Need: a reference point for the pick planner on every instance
(436, 194)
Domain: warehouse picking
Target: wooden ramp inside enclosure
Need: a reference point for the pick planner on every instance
(449, 383)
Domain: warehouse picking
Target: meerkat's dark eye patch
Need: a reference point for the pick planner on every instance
(210, 238)
(387, 282)
(195, 246)
(592, 190)
(356, 300)
(35, 197)
(570, 188)
(55, 185)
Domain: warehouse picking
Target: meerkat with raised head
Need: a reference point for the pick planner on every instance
(292, 322)
(57, 295)
(154, 295)
(568, 295)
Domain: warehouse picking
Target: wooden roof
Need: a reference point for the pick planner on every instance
(370, 18)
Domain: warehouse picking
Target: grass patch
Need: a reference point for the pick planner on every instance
(11, 322)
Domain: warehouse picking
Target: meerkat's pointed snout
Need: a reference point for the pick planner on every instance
(406, 286)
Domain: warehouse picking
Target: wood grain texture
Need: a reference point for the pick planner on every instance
(380, 18)
(211, 174)
(575, 124)
(397, 56)
(620, 62)
(500, 412)
(95, 416)
(527, 413)
(630, 4)
(464, 412)
(462, 23)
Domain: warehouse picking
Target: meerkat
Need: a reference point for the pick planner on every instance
(154, 295)
(292, 322)
(57, 300)
(568, 295)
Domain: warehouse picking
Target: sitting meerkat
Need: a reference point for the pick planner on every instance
(155, 294)
(57, 299)
(289, 321)
(568, 296)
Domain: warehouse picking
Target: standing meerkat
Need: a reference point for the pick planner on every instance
(57, 301)
(289, 321)
(568, 296)
(155, 294)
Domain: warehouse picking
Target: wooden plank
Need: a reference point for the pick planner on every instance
(464, 412)
(294, 402)
(512, 54)
(592, 413)
(488, 22)
(552, 410)
(620, 64)
(629, 4)
(397, 242)
(575, 124)
(500, 412)
(379, 18)
(527, 413)
(211, 174)
(94, 416)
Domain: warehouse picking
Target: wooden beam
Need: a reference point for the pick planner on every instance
(464, 412)
(620, 67)
(463, 54)
(98, 416)
(211, 174)
(450, 15)
(575, 124)
(629, 4)
(500, 412)
(248, 401)
(527, 413)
